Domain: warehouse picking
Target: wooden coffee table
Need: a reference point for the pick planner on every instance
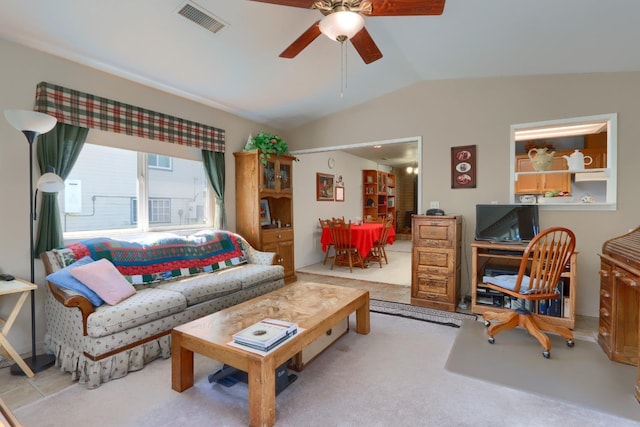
(314, 307)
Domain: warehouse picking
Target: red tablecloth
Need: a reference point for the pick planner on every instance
(362, 236)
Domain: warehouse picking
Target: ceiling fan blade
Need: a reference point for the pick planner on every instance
(366, 47)
(301, 42)
(405, 7)
(293, 3)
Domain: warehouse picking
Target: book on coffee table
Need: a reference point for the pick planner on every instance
(266, 334)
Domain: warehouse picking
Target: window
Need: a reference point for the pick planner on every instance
(159, 211)
(156, 161)
(107, 185)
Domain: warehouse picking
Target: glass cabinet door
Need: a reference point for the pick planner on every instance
(269, 175)
(285, 176)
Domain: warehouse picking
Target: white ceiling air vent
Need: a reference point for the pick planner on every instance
(202, 17)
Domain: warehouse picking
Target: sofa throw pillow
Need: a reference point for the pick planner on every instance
(103, 277)
(64, 279)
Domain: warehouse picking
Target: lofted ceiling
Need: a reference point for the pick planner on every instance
(238, 69)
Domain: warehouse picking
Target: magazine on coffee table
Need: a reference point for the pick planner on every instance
(266, 334)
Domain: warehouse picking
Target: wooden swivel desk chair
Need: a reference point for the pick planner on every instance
(345, 252)
(544, 259)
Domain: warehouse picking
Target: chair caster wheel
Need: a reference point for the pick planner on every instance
(491, 340)
(487, 323)
(546, 354)
(570, 343)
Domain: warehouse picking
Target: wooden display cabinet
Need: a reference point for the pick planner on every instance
(271, 181)
(435, 261)
(507, 257)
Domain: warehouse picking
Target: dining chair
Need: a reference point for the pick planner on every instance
(325, 223)
(345, 252)
(378, 252)
(544, 260)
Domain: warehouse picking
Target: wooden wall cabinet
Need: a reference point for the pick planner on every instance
(506, 257)
(273, 182)
(541, 183)
(598, 156)
(435, 261)
(378, 194)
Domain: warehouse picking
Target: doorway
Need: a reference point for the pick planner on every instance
(383, 283)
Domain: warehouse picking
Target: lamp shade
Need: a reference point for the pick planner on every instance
(341, 25)
(31, 121)
(50, 183)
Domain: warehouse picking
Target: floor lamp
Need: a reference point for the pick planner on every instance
(32, 124)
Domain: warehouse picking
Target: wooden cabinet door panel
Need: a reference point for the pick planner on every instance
(541, 183)
(526, 184)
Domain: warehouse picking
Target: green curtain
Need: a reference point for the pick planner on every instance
(214, 165)
(58, 148)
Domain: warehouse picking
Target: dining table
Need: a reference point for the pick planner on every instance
(362, 236)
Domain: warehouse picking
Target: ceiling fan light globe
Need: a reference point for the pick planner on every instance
(341, 25)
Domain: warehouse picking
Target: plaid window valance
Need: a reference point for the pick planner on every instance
(89, 111)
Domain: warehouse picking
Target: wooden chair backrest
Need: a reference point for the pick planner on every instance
(341, 235)
(340, 219)
(324, 222)
(545, 259)
(386, 229)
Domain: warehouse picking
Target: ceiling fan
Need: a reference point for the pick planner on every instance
(343, 20)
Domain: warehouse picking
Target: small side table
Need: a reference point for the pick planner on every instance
(23, 288)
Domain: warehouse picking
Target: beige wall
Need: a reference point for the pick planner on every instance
(22, 69)
(480, 111)
(445, 113)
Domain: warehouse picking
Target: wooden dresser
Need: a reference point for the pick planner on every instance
(619, 299)
(435, 261)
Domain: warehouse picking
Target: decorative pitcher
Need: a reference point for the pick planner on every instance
(577, 161)
(540, 159)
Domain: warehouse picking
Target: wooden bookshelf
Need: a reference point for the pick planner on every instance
(378, 195)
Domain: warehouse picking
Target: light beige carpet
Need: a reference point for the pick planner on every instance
(582, 375)
(397, 272)
(394, 376)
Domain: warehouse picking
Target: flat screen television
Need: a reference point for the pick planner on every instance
(507, 223)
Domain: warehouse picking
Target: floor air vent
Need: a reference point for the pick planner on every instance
(204, 19)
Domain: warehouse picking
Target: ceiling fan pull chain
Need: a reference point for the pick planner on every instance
(342, 69)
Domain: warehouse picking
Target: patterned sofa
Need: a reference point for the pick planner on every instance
(176, 280)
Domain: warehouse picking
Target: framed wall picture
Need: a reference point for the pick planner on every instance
(463, 166)
(339, 194)
(265, 212)
(324, 187)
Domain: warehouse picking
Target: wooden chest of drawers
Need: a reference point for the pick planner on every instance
(435, 261)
